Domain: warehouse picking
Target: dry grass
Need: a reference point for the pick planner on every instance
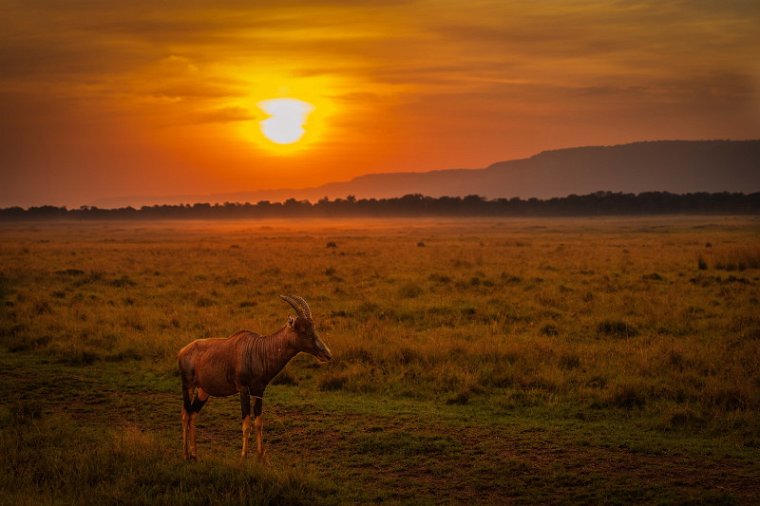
(600, 314)
(461, 368)
(738, 259)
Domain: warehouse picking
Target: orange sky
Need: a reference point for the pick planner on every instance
(143, 98)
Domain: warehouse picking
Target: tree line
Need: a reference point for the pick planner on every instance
(594, 204)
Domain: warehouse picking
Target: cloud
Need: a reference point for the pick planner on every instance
(226, 115)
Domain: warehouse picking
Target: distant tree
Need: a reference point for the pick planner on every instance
(594, 204)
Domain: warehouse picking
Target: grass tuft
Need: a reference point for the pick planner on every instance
(333, 381)
(285, 378)
(78, 357)
(628, 397)
(409, 291)
(738, 259)
(461, 398)
(549, 330)
(569, 361)
(616, 328)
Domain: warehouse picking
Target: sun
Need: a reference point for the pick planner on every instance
(286, 121)
(287, 116)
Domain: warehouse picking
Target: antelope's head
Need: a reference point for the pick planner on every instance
(302, 326)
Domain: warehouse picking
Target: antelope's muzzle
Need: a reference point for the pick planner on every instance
(323, 352)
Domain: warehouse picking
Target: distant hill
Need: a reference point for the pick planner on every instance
(672, 166)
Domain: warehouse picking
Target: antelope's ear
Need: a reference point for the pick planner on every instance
(291, 320)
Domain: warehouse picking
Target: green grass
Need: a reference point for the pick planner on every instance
(531, 361)
(57, 461)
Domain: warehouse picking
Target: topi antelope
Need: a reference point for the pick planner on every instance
(243, 363)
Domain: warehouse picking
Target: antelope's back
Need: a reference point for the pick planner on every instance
(212, 363)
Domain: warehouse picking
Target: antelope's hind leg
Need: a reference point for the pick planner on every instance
(187, 394)
(245, 408)
(258, 424)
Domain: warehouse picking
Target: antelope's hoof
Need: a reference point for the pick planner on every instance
(263, 457)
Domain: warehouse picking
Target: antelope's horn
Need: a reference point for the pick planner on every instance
(304, 305)
(294, 304)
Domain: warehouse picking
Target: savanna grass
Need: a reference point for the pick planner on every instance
(594, 315)
(586, 312)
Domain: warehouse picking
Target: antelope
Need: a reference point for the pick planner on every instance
(243, 363)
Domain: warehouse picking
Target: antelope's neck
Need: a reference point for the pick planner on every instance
(275, 352)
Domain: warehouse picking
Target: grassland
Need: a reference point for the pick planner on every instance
(483, 361)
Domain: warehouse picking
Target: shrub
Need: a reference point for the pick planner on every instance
(727, 399)
(71, 272)
(599, 382)
(461, 399)
(122, 282)
(409, 291)
(125, 355)
(22, 344)
(358, 354)
(507, 278)
(549, 330)
(284, 378)
(78, 357)
(569, 361)
(738, 259)
(43, 308)
(406, 356)
(333, 381)
(628, 397)
(616, 328)
(682, 418)
(204, 302)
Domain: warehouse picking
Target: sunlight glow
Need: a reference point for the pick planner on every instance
(287, 116)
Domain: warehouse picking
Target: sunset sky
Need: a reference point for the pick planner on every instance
(104, 99)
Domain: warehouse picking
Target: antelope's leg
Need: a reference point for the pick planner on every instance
(186, 408)
(245, 408)
(258, 423)
(185, 440)
(198, 402)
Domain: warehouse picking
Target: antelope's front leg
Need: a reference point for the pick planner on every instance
(245, 408)
(259, 425)
(200, 399)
